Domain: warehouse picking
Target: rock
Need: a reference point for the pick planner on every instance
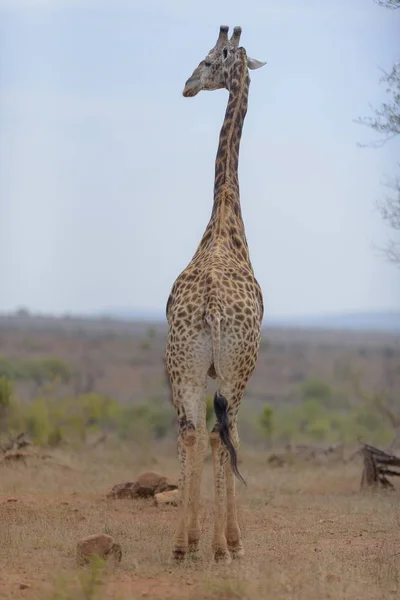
(147, 485)
(97, 545)
(122, 490)
(167, 498)
(151, 483)
(276, 460)
(24, 586)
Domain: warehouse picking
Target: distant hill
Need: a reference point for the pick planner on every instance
(385, 321)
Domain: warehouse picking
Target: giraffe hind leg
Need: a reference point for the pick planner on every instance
(186, 444)
(194, 531)
(227, 537)
(187, 400)
(220, 457)
(233, 534)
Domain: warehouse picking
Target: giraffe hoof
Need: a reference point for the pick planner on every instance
(179, 555)
(193, 556)
(222, 556)
(236, 550)
(193, 546)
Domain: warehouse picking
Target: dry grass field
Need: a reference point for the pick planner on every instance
(309, 532)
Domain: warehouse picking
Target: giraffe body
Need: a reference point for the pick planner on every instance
(214, 314)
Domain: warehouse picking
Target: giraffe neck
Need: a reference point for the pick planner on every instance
(227, 160)
(226, 224)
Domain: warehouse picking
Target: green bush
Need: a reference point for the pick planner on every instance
(318, 429)
(37, 370)
(266, 421)
(317, 390)
(10, 413)
(41, 371)
(6, 369)
(38, 422)
(152, 419)
(6, 392)
(326, 415)
(49, 420)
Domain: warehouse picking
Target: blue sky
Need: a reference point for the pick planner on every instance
(106, 171)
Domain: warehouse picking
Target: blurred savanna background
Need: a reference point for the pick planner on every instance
(106, 176)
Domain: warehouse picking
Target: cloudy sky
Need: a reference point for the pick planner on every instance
(106, 171)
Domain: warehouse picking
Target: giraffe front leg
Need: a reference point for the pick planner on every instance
(220, 456)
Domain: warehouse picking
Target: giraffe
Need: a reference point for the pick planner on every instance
(214, 315)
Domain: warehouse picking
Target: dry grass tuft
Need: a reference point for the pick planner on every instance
(308, 532)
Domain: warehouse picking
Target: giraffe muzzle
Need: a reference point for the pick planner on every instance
(192, 87)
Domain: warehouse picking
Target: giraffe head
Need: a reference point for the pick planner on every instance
(213, 72)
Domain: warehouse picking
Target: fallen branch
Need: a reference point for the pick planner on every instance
(15, 443)
(376, 470)
(16, 456)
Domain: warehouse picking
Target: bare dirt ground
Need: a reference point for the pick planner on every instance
(309, 532)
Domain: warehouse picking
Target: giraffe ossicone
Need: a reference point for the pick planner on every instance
(214, 315)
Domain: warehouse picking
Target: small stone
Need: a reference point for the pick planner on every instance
(24, 586)
(97, 545)
(167, 498)
(147, 485)
(12, 499)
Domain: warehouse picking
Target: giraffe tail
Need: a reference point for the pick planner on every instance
(222, 414)
(214, 322)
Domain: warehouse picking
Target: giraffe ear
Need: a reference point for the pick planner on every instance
(253, 63)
